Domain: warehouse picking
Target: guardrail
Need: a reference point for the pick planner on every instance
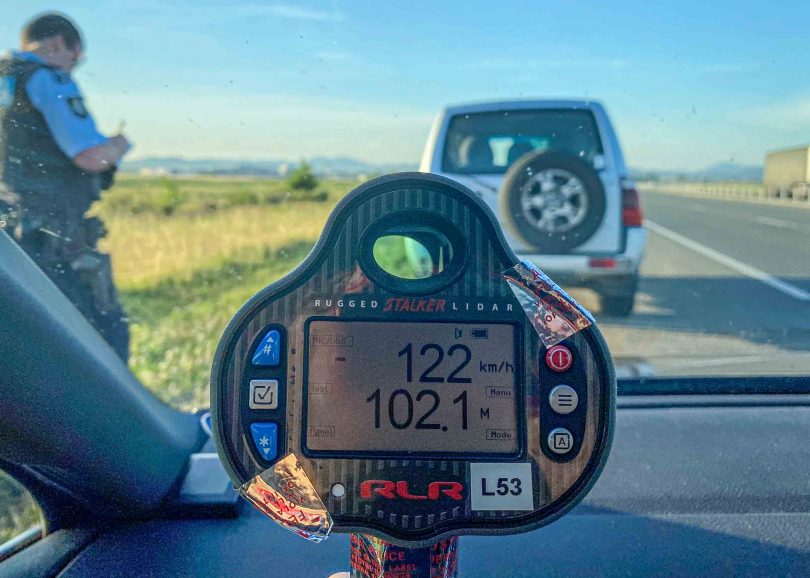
(732, 190)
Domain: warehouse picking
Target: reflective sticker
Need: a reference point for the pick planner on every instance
(554, 314)
(373, 557)
(76, 104)
(367, 555)
(286, 494)
(7, 85)
(501, 487)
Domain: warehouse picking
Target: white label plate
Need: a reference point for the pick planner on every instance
(501, 487)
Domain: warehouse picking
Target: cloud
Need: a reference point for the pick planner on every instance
(295, 12)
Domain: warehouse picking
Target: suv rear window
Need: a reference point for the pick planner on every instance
(489, 142)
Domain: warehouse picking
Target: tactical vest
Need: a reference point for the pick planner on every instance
(31, 163)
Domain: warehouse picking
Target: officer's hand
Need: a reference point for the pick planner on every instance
(121, 144)
(107, 178)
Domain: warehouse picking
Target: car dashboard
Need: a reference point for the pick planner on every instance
(696, 485)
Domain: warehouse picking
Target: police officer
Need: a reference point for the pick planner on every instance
(53, 165)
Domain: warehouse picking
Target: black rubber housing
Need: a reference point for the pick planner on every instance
(221, 419)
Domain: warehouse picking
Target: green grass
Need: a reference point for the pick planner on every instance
(182, 274)
(176, 325)
(193, 195)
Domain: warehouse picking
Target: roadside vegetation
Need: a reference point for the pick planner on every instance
(183, 272)
(168, 196)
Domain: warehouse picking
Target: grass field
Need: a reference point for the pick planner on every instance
(183, 273)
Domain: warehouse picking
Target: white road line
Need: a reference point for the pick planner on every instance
(729, 262)
(776, 222)
(718, 361)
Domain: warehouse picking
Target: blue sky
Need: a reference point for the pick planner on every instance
(687, 84)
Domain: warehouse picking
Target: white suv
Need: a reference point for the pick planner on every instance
(553, 172)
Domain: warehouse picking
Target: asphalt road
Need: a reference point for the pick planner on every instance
(725, 291)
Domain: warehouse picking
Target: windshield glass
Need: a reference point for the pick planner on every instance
(162, 162)
(490, 142)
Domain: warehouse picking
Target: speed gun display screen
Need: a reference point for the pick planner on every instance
(427, 388)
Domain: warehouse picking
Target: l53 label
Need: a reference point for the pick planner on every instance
(506, 486)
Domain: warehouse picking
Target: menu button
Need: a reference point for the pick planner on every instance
(563, 399)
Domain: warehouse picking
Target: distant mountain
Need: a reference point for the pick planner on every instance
(731, 172)
(326, 166)
(176, 165)
(716, 172)
(351, 167)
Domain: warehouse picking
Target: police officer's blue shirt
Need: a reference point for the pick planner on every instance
(56, 96)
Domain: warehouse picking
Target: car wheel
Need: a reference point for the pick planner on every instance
(617, 305)
(552, 201)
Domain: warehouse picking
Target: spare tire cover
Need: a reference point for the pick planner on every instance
(552, 201)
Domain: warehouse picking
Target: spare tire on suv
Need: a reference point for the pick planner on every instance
(552, 201)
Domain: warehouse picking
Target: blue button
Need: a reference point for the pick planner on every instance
(265, 437)
(268, 352)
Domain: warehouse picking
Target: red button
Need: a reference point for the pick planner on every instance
(559, 358)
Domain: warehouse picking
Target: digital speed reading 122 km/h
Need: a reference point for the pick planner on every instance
(411, 387)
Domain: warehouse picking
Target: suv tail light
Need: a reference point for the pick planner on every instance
(602, 262)
(631, 205)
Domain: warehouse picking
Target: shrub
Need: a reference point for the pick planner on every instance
(302, 178)
(244, 197)
(312, 196)
(169, 198)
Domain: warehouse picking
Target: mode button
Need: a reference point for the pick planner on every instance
(560, 441)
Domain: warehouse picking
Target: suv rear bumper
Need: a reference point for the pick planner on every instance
(614, 274)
